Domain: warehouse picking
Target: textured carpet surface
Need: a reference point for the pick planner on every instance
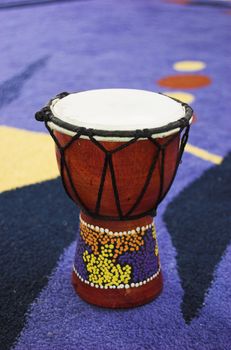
(52, 46)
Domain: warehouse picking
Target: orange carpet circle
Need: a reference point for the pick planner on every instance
(179, 2)
(186, 81)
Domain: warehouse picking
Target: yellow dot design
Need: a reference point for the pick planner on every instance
(102, 270)
(180, 95)
(189, 66)
(156, 245)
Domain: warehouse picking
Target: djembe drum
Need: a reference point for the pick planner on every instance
(118, 151)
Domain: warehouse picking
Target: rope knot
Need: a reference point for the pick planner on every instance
(43, 115)
(62, 94)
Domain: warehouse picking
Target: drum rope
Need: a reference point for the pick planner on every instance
(159, 154)
(64, 166)
(147, 181)
(184, 140)
(108, 163)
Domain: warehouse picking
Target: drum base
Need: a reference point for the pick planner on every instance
(117, 263)
(120, 298)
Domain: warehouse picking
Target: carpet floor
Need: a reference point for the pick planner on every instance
(178, 47)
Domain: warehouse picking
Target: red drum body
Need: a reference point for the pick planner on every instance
(131, 165)
(117, 178)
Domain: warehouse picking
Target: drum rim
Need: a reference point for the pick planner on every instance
(46, 115)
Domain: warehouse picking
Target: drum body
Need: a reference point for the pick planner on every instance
(118, 182)
(129, 167)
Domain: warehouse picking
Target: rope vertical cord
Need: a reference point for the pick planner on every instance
(147, 181)
(101, 186)
(114, 185)
(183, 142)
(64, 167)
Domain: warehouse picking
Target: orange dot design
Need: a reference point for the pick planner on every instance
(121, 244)
(185, 81)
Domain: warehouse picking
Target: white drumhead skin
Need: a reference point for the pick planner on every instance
(117, 109)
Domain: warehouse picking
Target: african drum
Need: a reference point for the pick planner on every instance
(118, 151)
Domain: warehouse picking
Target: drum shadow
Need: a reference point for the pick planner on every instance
(199, 224)
(36, 223)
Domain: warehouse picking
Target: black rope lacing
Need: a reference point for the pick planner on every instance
(159, 154)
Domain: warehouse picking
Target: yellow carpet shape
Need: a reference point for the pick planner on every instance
(26, 157)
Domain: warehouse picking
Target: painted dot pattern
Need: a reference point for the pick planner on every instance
(113, 259)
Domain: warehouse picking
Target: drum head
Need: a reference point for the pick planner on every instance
(118, 113)
(118, 109)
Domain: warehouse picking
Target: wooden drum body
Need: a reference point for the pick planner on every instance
(118, 178)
